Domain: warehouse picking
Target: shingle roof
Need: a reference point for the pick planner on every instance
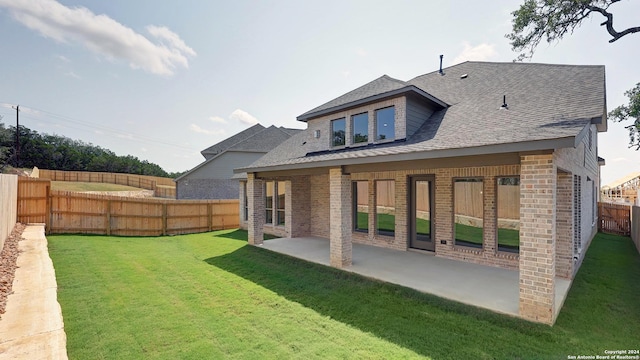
(230, 141)
(384, 86)
(254, 139)
(548, 105)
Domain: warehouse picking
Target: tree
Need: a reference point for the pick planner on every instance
(631, 111)
(552, 20)
(4, 150)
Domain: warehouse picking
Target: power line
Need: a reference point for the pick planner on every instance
(118, 133)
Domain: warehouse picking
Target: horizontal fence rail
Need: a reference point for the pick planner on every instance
(162, 187)
(72, 212)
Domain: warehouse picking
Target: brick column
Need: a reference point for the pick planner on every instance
(443, 210)
(255, 197)
(537, 238)
(340, 218)
(297, 215)
(490, 232)
(564, 225)
(401, 240)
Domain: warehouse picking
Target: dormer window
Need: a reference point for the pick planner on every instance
(360, 126)
(385, 124)
(338, 134)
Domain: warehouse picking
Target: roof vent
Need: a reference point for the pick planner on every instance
(464, 76)
(441, 72)
(504, 105)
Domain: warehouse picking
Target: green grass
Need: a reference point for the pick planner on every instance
(205, 296)
(89, 186)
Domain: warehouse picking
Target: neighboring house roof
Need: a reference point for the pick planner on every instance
(228, 142)
(259, 140)
(549, 106)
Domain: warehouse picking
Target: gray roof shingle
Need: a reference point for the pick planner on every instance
(254, 139)
(230, 141)
(545, 102)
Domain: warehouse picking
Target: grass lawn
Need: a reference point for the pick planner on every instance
(210, 295)
(89, 186)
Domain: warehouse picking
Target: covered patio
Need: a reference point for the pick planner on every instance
(488, 287)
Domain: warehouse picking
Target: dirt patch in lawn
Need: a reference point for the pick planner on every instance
(8, 259)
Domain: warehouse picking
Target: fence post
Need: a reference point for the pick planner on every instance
(48, 215)
(210, 216)
(164, 218)
(108, 217)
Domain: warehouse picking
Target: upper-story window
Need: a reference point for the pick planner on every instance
(360, 126)
(338, 134)
(385, 123)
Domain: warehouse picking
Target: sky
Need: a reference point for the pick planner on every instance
(163, 80)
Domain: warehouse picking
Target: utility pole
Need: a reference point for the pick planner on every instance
(17, 135)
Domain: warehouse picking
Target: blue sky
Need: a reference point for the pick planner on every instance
(163, 80)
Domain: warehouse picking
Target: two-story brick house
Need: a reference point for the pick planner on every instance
(491, 163)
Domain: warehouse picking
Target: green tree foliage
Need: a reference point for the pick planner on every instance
(5, 134)
(61, 153)
(631, 111)
(551, 20)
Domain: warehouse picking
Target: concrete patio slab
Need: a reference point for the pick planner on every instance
(483, 286)
(32, 326)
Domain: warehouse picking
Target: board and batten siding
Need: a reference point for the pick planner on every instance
(417, 114)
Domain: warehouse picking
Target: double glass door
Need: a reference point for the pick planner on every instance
(421, 213)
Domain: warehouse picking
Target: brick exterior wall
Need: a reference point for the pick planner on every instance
(340, 219)
(443, 231)
(319, 205)
(583, 162)
(537, 238)
(297, 197)
(324, 124)
(207, 189)
(255, 197)
(564, 225)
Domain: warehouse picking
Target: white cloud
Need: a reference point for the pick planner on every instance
(482, 52)
(361, 52)
(63, 58)
(103, 35)
(198, 129)
(346, 73)
(144, 149)
(125, 136)
(243, 117)
(218, 119)
(73, 75)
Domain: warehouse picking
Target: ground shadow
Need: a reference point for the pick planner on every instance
(426, 324)
(240, 234)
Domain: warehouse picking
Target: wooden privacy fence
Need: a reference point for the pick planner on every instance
(71, 212)
(162, 187)
(614, 218)
(635, 226)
